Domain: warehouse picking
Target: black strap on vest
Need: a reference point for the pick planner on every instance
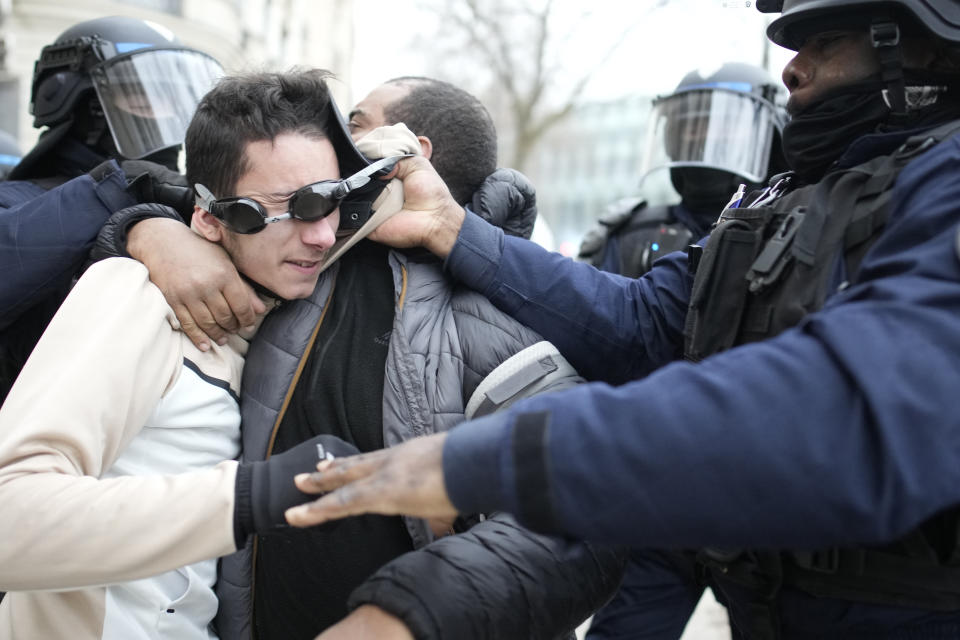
(885, 38)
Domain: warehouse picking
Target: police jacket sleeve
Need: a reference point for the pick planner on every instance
(45, 237)
(609, 327)
(112, 239)
(497, 580)
(839, 431)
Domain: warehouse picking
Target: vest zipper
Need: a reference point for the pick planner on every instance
(273, 438)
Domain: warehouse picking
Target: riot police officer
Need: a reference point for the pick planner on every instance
(783, 396)
(717, 130)
(107, 90)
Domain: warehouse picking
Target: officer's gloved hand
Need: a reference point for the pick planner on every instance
(265, 489)
(151, 182)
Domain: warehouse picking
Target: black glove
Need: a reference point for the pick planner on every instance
(265, 490)
(152, 182)
(506, 199)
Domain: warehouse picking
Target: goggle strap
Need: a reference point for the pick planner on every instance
(205, 199)
(362, 177)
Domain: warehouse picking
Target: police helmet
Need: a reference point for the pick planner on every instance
(801, 18)
(146, 83)
(727, 120)
(884, 20)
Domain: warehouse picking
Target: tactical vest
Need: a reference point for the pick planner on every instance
(644, 234)
(765, 267)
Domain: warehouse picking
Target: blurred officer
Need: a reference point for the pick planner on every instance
(107, 90)
(714, 132)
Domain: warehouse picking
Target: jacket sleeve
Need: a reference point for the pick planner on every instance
(497, 580)
(88, 388)
(841, 430)
(112, 239)
(45, 240)
(609, 327)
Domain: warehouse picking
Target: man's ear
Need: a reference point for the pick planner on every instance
(425, 146)
(207, 225)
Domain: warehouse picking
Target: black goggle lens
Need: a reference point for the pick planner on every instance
(315, 201)
(243, 216)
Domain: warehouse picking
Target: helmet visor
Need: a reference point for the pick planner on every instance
(718, 129)
(149, 97)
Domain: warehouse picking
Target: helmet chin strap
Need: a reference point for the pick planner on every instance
(885, 38)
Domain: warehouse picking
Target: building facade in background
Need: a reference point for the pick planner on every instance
(588, 160)
(241, 34)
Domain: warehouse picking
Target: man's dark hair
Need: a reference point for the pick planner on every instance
(249, 108)
(459, 126)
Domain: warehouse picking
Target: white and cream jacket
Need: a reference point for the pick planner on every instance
(117, 447)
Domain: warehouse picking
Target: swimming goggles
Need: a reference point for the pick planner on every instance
(310, 203)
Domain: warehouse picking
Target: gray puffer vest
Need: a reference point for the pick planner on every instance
(445, 340)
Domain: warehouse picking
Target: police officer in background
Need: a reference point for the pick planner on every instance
(783, 396)
(115, 95)
(716, 131)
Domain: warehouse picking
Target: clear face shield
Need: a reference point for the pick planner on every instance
(711, 128)
(149, 97)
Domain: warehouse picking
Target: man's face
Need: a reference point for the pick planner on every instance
(285, 256)
(826, 61)
(368, 114)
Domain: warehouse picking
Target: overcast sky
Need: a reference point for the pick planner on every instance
(665, 43)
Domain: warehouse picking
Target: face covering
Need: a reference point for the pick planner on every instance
(819, 134)
(704, 190)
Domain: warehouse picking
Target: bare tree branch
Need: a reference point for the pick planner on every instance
(517, 42)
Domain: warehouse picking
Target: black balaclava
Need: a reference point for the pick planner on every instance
(704, 190)
(818, 135)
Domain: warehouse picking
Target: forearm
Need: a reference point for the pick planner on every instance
(497, 565)
(610, 328)
(796, 442)
(443, 233)
(65, 531)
